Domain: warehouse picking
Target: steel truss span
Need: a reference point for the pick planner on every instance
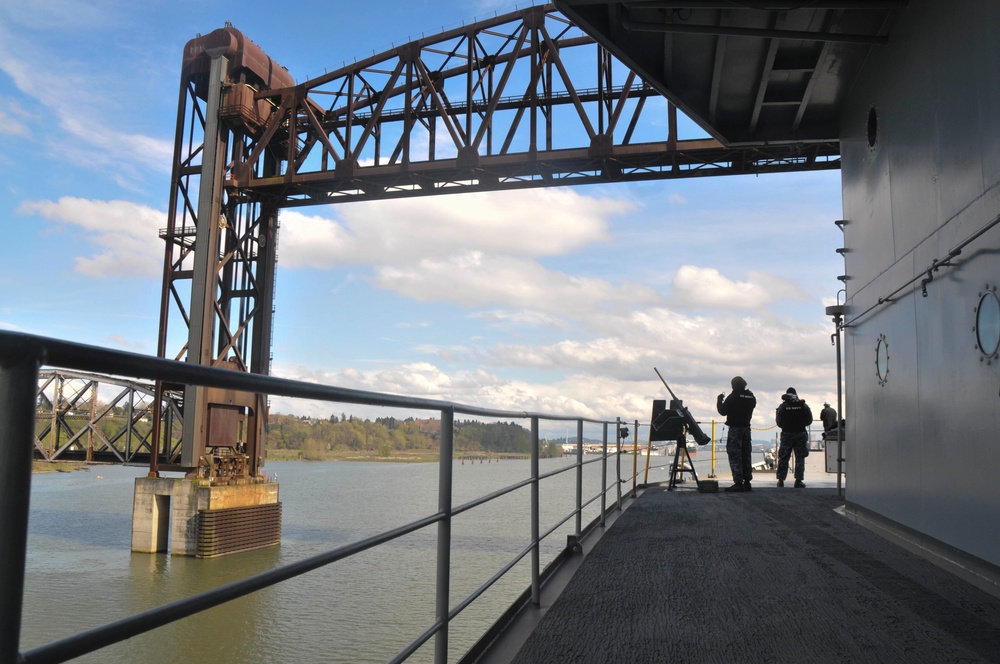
(522, 100)
(87, 417)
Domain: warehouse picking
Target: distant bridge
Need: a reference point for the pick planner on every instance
(86, 417)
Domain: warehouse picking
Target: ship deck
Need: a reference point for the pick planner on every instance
(775, 575)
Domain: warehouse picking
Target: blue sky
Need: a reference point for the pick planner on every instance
(558, 300)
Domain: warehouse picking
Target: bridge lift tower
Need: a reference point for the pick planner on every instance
(496, 105)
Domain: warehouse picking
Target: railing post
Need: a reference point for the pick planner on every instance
(712, 473)
(618, 460)
(579, 478)
(604, 475)
(446, 466)
(18, 391)
(536, 585)
(635, 456)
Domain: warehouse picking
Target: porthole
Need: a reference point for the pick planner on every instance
(988, 324)
(872, 129)
(882, 359)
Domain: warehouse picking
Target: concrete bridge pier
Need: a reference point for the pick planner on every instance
(202, 518)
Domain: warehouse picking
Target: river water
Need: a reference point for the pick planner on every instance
(81, 574)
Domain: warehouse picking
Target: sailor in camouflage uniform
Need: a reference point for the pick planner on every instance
(794, 417)
(738, 409)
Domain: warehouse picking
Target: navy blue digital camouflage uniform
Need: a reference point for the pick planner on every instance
(793, 416)
(738, 409)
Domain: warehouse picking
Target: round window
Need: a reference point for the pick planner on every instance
(988, 323)
(882, 359)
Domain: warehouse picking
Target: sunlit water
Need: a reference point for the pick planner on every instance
(81, 573)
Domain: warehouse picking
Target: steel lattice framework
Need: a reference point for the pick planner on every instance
(517, 101)
(522, 100)
(86, 417)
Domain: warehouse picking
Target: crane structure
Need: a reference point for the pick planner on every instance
(522, 100)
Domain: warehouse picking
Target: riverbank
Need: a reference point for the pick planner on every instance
(411, 456)
(55, 466)
(407, 456)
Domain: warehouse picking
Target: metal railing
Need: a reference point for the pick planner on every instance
(21, 357)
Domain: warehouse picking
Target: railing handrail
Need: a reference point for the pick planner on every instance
(22, 355)
(83, 357)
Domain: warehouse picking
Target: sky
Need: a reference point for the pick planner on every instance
(558, 300)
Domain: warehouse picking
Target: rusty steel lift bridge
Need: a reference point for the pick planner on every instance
(522, 100)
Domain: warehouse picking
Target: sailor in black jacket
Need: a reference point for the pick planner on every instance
(738, 409)
(794, 417)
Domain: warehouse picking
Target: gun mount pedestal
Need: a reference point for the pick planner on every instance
(682, 464)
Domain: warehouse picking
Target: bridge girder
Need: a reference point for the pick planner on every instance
(517, 101)
(87, 417)
(501, 104)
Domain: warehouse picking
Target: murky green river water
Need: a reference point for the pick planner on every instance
(81, 573)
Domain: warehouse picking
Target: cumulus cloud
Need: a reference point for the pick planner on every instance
(476, 279)
(587, 393)
(698, 353)
(706, 287)
(127, 232)
(539, 222)
(473, 249)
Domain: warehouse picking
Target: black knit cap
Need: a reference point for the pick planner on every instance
(791, 390)
(738, 383)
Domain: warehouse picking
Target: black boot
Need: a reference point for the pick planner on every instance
(738, 487)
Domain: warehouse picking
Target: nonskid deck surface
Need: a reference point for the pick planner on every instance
(775, 575)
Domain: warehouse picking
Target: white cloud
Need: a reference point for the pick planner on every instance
(74, 99)
(128, 232)
(473, 249)
(519, 318)
(698, 287)
(476, 279)
(58, 14)
(133, 345)
(586, 393)
(12, 117)
(540, 222)
(697, 353)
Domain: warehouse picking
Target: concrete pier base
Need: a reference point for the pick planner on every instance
(193, 517)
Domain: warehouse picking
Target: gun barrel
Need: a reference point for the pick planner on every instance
(672, 395)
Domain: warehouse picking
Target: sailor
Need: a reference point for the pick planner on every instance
(828, 416)
(793, 416)
(738, 409)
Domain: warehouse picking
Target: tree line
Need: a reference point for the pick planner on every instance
(386, 435)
